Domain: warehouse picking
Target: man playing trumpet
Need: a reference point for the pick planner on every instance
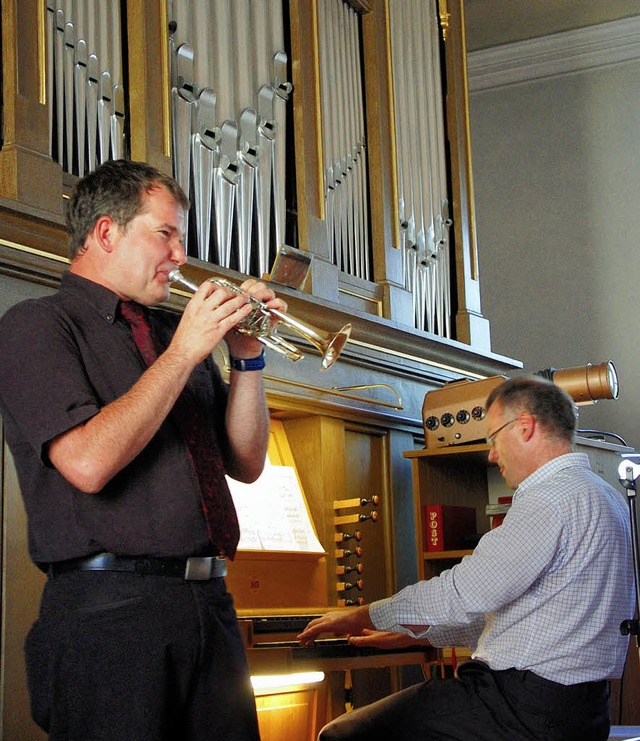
(122, 430)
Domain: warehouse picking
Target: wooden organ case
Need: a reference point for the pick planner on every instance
(343, 431)
(278, 592)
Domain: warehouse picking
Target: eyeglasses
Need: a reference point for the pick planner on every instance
(492, 437)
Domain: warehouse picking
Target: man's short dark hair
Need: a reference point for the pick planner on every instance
(546, 401)
(116, 188)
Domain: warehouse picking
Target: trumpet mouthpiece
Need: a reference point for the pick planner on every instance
(175, 276)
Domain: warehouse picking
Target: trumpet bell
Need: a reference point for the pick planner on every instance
(335, 346)
(328, 344)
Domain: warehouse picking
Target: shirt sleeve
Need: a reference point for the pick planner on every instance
(507, 562)
(42, 380)
(464, 635)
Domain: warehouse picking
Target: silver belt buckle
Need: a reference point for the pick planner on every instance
(206, 567)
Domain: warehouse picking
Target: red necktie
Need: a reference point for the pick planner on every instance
(217, 504)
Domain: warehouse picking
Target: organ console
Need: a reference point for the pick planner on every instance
(278, 593)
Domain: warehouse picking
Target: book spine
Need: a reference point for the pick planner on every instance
(435, 533)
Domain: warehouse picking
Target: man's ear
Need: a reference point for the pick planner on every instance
(104, 232)
(527, 424)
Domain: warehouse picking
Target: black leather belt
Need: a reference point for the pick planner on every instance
(194, 568)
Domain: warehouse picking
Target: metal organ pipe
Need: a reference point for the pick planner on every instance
(343, 141)
(228, 126)
(84, 57)
(422, 186)
(229, 92)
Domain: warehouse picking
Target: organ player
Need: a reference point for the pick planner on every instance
(540, 600)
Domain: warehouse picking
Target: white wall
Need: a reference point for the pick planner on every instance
(556, 165)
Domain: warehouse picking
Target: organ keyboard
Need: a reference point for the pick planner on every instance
(271, 646)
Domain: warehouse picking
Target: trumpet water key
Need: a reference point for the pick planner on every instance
(263, 324)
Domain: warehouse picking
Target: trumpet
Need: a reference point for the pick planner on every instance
(260, 325)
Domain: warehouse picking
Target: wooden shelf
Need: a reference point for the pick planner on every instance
(453, 475)
(459, 450)
(445, 555)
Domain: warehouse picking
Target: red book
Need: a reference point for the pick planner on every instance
(447, 526)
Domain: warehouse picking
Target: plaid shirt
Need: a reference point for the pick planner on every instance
(546, 591)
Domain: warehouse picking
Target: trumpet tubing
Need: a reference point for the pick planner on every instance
(263, 324)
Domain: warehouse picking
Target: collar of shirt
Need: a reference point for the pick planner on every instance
(102, 299)
(568, 460)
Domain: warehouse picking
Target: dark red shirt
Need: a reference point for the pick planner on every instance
(62, 358)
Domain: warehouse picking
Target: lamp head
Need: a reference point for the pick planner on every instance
(586, 384)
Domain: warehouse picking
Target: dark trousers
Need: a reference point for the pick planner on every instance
(482, 705)
(127, 657)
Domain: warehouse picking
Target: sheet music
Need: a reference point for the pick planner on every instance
(272, 513)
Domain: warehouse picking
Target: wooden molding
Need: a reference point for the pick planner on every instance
(555, 55)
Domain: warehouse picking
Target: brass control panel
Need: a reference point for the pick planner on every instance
(455, 413)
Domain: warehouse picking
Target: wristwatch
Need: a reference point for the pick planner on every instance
(250, 364)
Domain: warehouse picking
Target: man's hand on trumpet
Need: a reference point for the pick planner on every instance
(243, 346)
(214, 312)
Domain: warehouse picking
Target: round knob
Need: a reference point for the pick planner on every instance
(358, 602)
(357, 551)
(348, 536)
(375, 500)
(432, 423)
(373, 517)
(447, 419)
